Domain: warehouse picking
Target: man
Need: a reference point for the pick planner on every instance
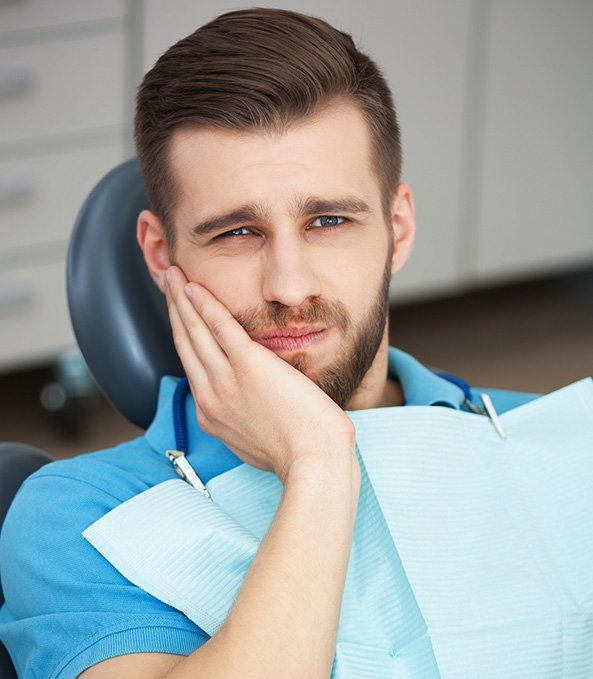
(271, 154)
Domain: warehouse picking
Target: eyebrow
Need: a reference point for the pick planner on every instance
(302, 207)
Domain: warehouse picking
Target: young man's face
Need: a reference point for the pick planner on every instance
(292, 265)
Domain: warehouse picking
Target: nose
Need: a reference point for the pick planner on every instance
(289, 276)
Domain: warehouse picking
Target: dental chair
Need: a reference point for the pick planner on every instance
(119, 317)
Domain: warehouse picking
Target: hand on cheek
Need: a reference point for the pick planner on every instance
(267, 412)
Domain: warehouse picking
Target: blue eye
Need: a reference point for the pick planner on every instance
(328, 227)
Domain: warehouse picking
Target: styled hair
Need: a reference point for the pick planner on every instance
(259, 70)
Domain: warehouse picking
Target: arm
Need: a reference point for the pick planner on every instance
(285, 618)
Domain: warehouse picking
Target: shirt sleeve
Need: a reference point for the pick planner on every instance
(66, 607)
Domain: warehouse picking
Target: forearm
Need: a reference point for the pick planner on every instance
(285, 618)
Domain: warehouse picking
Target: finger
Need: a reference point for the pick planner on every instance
(194, 369)
(227, 331)
(205, 345)
(197, 375)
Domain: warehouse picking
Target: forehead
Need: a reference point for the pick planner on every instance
(217, 169)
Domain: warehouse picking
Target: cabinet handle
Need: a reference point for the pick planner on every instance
(16, 82)
(15, 296)
(16, 190)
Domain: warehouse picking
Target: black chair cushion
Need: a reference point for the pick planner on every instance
(17, 462)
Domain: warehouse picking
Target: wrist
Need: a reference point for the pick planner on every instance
(339, 466)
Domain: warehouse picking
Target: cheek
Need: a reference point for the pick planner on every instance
(221, 283)
(235, 291)
(362, 282)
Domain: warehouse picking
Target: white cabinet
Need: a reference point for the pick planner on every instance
(494, 98)
(64, 102)
(535, 169)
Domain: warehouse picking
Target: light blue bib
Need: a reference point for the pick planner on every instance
(472, 553)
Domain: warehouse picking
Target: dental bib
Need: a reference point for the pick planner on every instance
(472, 554)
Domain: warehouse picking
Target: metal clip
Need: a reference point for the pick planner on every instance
(186, 471)
(487, 401)
(474, 408)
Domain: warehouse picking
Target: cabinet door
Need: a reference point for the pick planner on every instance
(34, 14)
(40, 196)
(422, 50)
(34, 320)
(536, 178)
(61, 87)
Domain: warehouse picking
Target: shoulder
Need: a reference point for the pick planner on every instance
(121, 471)
(65, 604)
(52, 508)
(60, 500)
(503, 399)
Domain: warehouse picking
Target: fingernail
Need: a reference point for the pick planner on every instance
(168, 276)
(188, 290)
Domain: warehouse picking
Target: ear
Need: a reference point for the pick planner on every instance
(403, 225)
(150, 235)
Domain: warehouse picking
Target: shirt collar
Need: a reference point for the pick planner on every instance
(421, 387)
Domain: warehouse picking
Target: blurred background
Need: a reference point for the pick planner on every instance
(495, 102)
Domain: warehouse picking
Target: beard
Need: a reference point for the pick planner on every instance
(343, 376)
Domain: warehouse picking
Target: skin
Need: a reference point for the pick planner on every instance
(280, 271)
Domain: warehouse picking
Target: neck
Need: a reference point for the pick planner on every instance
(393, 394)
(377, 390)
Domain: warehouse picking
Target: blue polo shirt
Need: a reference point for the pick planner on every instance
(67, 608)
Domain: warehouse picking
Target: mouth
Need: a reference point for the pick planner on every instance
(302, 338)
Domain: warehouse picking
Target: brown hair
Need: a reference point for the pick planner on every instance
(259, 69)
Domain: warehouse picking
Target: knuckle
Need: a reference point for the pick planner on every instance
(218, 327)
(202, 419)
(241, 368)
(206, 408)
(222, 388)
(194, 334)
(243, 365)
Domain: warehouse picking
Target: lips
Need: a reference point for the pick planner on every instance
(293, 331)
(294, 343)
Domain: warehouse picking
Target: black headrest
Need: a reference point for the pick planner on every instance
(119, 315)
